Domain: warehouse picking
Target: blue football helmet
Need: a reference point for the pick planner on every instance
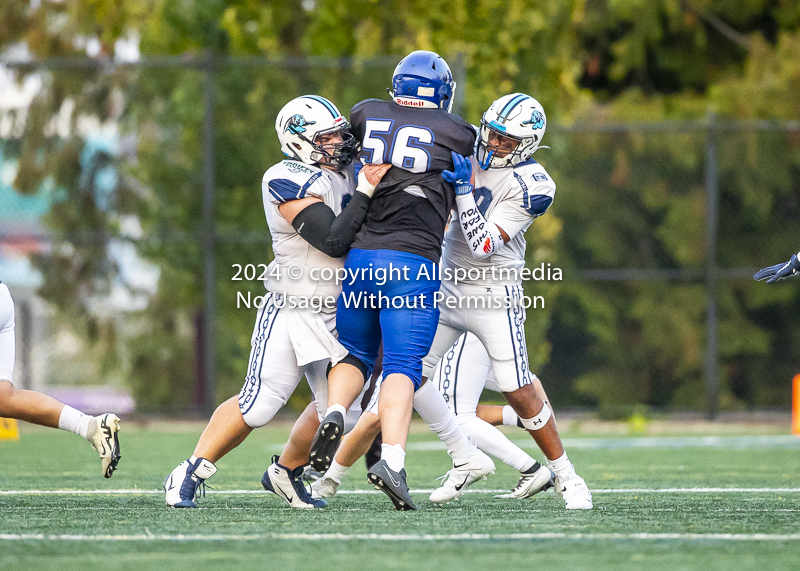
(423, 79)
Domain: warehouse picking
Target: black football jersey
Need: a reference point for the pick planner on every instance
(412, 203)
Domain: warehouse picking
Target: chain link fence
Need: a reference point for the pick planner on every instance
(129, 193)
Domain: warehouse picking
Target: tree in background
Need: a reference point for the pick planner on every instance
(624, 200)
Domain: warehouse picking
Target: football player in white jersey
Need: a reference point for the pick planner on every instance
(313, 215)
(39, 408)
(485, 250)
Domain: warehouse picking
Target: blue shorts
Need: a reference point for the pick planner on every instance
(392, 298)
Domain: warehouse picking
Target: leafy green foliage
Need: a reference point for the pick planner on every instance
(625, 200)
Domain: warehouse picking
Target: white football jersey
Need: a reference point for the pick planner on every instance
(292, 180)
(511, 198)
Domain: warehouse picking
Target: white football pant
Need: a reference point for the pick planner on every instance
(273, 373)
(500, 329)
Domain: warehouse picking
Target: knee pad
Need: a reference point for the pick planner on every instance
(351, 359)
(260, 410)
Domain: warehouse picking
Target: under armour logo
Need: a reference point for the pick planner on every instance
(537, 421)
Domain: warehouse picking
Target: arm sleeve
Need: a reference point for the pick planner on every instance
(483, 237)
(328, 233)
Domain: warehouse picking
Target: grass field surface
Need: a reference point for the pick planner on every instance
(707, 501)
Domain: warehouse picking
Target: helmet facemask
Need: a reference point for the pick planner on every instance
(498, 155)
(336, 155)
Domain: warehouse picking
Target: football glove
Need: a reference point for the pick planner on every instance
(461, 174)
(779, 271)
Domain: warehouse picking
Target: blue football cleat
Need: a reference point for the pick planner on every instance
(184, 482)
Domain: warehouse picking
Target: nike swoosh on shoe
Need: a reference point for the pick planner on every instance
(458, 488)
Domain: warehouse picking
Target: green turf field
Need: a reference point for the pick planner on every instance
(660, 524)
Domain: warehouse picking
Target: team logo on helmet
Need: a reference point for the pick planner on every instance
(297, 124)
(537, 120)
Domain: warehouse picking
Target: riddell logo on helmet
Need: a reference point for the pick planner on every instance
(410, 102)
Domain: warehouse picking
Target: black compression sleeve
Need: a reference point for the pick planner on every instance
(328, 233)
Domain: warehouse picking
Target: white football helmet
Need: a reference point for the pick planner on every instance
(516, 116)
(302, 120)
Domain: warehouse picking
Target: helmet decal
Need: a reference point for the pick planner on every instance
(303, 120)
(536, 120)
(297, 124)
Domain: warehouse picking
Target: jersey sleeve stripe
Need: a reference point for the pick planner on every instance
(308, 183)
(284, 190)
(535, 205)
(538, 205)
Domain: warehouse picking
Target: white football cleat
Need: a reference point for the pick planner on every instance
(324, 487)
(183, 483)
(530, 484)
(575, 492)
(462, 476)
(102, 434)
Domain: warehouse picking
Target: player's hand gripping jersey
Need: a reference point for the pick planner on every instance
(411, 205)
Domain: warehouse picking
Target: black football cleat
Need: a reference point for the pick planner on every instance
(393, 484)
(326, 441)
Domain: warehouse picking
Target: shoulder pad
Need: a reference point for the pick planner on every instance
(537, 193)
(533, 174)
(291, 180)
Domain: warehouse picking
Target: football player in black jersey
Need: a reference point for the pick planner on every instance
(393, 265)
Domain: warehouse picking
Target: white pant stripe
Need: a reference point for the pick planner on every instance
(253, 382)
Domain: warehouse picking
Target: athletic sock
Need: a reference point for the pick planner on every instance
(336, 408)
(394, 455)
(75, 421)
(562, 467)
(336, 472)
(510, 417)
(533, 468)
(430, 405)
(493, 442)
(193, 459)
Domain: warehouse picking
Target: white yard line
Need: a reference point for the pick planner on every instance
(420, 491)
(406, 537)
(661, 442)
(616, 443)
